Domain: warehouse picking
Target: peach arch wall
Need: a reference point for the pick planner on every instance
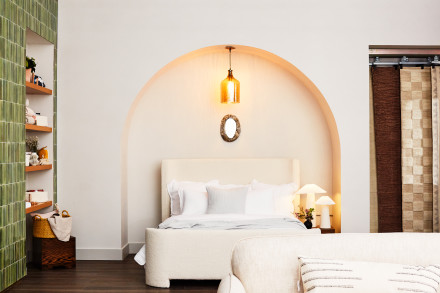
(207, 66)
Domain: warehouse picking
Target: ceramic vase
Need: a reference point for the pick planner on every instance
(308, 224)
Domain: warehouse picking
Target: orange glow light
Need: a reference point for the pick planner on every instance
(230, 90)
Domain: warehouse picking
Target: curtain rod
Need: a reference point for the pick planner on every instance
(404, 51)
(404, 61)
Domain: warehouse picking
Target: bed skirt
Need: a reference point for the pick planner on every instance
(196, 254)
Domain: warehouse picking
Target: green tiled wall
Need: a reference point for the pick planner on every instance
(15, 17)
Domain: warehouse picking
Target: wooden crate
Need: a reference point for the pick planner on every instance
(49, 253)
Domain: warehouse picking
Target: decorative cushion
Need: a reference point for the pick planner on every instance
(326, 275)
(226, 201)
(283, 195)
(195, 201)
(260, 202)
(175, 188)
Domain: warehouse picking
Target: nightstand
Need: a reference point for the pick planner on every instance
(327, 230)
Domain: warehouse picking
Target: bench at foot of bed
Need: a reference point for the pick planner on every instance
(186, 254)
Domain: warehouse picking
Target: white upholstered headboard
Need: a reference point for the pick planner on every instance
(237, 171)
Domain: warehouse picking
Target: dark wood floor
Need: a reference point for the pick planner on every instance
(102, 276)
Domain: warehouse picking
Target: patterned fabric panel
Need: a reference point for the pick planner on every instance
(416, 107)
(387, 131)
(435, 80)
(332, 276)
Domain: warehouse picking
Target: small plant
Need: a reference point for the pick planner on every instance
(32, 144)
(30, 63)
(305, 214)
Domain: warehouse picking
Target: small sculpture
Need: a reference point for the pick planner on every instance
(43, 155)
(34, 160)
(39, 81)
(30, 114)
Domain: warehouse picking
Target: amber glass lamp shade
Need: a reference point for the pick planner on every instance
(230, 90)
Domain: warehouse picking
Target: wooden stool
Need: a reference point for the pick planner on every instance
(50, 253)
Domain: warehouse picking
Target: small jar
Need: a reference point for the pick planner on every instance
(28, 158)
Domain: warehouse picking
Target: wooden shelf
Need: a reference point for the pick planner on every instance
(38, 168)
(32, 127)
(38, 207)
(34, 89)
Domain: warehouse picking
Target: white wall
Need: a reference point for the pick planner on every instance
(109, 49)
(178, 116)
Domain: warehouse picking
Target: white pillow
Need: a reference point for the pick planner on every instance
(228, 186)
(195, 201)
(283, 196)
(260, 202)
(226, 200)
(327, 275)
(176, 199)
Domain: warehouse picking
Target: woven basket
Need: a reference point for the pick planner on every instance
(42, 227)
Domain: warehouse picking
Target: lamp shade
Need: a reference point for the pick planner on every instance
(230, 90)
(310, 188)
(325, 201)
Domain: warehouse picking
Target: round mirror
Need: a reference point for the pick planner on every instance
(230, 128)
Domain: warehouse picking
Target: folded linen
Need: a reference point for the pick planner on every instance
(37, 196)
(140, 256)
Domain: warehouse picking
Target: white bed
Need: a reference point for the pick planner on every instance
(205, 254)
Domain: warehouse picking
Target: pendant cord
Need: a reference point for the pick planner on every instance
(229, 58)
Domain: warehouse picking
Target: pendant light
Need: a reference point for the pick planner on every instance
(230, 87)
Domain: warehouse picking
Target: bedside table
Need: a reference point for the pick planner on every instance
(327, 230)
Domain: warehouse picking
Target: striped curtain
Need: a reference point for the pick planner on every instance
(417, 183)
(435, 81)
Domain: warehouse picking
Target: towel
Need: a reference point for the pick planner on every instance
(61, 227)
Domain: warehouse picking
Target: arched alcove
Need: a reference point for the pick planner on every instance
(177, 114)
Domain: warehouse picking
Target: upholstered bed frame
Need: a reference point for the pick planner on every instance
(206, 254)
(228, 171)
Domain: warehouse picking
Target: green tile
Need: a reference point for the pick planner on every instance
(15, 17)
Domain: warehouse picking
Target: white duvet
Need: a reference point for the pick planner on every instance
(226, 222)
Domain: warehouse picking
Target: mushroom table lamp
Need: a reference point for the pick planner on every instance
(325, 201)
(311, 190)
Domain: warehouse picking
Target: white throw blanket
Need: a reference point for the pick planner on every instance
(231, 222)
(225, 222)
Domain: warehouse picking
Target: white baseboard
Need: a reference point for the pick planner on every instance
(102, 254)
(135, 246)
(125, 251)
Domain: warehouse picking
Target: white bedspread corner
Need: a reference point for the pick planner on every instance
(225, 222)
(140, 256)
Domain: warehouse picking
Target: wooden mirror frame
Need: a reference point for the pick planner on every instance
(237, 129)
